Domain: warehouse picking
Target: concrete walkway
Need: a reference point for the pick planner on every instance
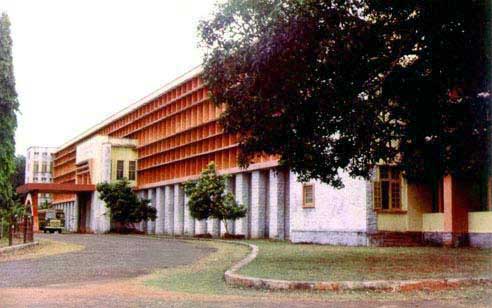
(105, 257)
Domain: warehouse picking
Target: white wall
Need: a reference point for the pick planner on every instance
(337, 217)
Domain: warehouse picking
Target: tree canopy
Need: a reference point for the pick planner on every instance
(208, 197)
(18, 177)
(8, 120)
(344, 85)
(124, 205)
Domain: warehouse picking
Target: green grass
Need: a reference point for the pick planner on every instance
(205, 277)
(281, 260)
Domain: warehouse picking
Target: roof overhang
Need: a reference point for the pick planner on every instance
(55, 188)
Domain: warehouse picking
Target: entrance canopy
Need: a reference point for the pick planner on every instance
(31, 190)
(55, 188)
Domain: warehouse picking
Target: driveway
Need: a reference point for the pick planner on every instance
(105, 257)
(104, 274)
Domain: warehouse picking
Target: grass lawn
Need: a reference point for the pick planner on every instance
(44, 249)
(206, 277)
(281, 260)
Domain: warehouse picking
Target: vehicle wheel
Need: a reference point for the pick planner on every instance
(52, 231)
(60, 231)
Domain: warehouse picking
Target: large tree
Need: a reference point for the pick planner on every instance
(8, 121)
(343, 85)
(19, 175)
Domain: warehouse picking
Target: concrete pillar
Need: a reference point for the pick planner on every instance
(455, 213)
(189, 222)
(258, 204)
(141, 226)
(150, 223)
(169, 209)
(178, 209)
(242, 197)
(159, 204)
(70, 218)
(230, 223)
(213, 227)
(76, 227)
(200, 226)
(100, 220)
(276, 201)
(288, 177)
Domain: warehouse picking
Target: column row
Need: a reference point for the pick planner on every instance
(263, 192)
(70, 212)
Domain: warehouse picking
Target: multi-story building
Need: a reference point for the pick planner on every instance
(39, 168)
(169, 136)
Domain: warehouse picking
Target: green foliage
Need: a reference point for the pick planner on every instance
(208, 198)
(124, 205)
(18, 177)
(343, 85)
(8, 120)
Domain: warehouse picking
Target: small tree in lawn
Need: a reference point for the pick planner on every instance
(125, 208)
(208, 197)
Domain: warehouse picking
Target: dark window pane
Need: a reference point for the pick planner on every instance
(131, 170)
(119, 169)
(385, 195)
(383, 172)
(395, 173)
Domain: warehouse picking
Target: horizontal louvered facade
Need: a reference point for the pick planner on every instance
(177, 133)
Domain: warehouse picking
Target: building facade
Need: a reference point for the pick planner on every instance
(39, 168)
(169, 136)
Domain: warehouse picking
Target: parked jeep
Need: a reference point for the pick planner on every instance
(51, 220)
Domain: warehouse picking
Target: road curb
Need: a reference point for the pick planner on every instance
(233, 278)
(18, 247)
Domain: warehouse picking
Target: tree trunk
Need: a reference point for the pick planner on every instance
(226, 227)
(25, 229)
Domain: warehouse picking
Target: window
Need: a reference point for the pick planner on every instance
(43, 179)
(387, 189)
(36, 167)
(44, 167)
(51, 167)
(132, 168)
(308, 195)
(35, 179)
(119, 169)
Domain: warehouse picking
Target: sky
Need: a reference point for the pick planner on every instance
(78, 62)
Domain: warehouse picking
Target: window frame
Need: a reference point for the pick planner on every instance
(118, 176)
(132, 172)
(306, 205)
(378, 190)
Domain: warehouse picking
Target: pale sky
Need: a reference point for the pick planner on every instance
(78, 62)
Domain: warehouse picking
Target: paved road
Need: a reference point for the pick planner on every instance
(103, 275)
(104, 257)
